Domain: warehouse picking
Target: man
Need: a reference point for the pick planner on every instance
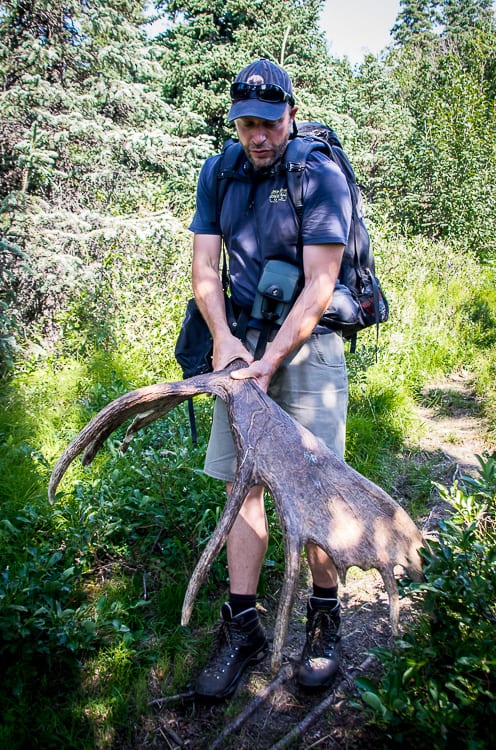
(303, 365)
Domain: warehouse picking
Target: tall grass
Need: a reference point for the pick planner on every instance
(441, 320)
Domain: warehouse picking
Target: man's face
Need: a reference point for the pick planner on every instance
(264, 141)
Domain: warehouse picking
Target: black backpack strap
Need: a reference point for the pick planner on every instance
(192, 420)
(366, 277)
(297, 153)
(191, 408)
(296, 160)
(226, 170)
(263, 338)
(339, 156)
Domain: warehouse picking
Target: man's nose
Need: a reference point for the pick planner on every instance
(259, 135)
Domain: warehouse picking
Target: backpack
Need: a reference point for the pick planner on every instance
(194, 344)
(358, 300)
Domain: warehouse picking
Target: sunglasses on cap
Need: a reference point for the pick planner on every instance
(266, 92)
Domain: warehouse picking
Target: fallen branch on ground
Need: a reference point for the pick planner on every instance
(284, 675)
(312, 716)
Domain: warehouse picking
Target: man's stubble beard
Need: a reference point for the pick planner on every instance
(276, 158)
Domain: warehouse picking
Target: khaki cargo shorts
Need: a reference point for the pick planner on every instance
(311, 385)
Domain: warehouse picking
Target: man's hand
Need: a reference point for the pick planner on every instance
(229, 349)
(260, 370)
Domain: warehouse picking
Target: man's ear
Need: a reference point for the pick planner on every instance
(293, 132)
(292, 115)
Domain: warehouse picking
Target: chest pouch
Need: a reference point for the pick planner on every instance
(277, 290)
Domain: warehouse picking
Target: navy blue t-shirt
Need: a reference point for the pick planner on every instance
(258, 220)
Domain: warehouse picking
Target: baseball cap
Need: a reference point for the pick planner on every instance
(262, 89)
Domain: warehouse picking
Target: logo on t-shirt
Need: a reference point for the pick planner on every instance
(277, 195)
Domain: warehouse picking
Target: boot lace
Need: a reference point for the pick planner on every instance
(323, 636)
(228, 641)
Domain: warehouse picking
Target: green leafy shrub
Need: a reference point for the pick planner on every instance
(439, 685)
(43, 612)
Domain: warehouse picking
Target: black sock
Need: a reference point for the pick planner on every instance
(322, 593)
(240, 602)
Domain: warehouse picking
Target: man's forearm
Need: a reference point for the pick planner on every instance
(301, 321)
(207, 286)
(209, 296)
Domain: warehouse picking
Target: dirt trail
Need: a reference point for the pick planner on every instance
(452, 423)
(450, 433)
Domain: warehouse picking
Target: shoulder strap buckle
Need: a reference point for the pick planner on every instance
(294, 166)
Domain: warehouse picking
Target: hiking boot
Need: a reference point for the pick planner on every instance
(241, 641)
(319, 662)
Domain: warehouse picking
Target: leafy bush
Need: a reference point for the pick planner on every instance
(439, 686)
(43, 609)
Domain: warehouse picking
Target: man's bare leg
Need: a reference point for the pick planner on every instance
(247, 544)
(324, 573)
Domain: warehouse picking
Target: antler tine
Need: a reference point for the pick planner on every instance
(94, 434)
(150, 403)
(239, 490)
(209, 383)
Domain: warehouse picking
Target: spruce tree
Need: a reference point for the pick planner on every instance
(207, 43)
(463, 18)
(447, 82)
(415, 21)
(90, 149)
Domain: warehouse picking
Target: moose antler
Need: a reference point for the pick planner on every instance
(318, 497)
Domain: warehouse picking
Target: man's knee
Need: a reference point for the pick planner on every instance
(255, 495)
